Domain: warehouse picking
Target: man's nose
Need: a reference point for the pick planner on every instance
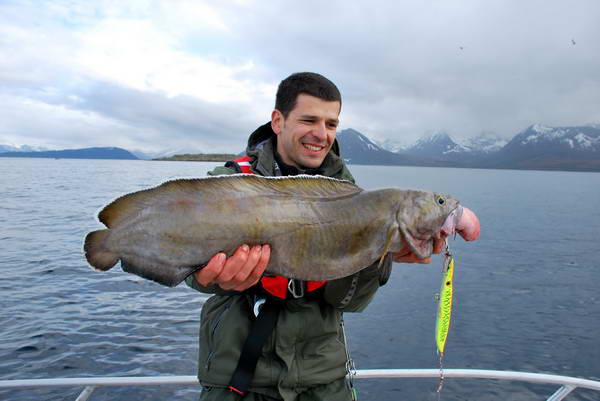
(320, 131)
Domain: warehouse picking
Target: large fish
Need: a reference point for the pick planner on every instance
(318, 228)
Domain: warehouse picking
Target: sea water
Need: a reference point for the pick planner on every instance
(526, 293)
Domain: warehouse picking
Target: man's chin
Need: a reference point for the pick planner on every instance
(311, 163)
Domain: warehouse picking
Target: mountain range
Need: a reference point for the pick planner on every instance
(537, 147)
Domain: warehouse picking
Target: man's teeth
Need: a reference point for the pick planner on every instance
(312, 147)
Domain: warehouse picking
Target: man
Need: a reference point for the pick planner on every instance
(303, 356)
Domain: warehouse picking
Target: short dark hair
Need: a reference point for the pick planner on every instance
(309, 83)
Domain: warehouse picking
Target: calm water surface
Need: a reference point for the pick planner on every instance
(526, 293)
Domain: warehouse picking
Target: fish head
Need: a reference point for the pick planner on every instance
(427, 215)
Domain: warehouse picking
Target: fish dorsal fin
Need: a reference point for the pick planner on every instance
(301, 186)
(236, 185)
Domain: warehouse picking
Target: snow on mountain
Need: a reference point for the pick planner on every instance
(393, 145)
(583, 138)
(557, 148)
(484, 143)
(438, 146)
(356, 148)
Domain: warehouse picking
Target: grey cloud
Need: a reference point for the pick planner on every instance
(517, 66)
(101, 112)
(399, 65)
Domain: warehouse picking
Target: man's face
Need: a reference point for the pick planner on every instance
(305, 137)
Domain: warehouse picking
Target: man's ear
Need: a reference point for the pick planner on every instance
(277, 121)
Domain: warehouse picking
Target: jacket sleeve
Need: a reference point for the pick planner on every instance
(211, 289)
(355, 292)
(191, 280)
(223, 170)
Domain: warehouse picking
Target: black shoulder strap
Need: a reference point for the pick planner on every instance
(261, 329)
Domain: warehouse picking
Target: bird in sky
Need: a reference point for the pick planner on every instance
(573, 41)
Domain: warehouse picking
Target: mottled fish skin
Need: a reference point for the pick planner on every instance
(319, 228)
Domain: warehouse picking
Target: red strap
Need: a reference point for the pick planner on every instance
(314, 285)
(236, 390)
(275, 285)
(244, 163)
(278, 285)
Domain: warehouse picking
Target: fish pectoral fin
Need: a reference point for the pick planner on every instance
(96, 251)
(388, 244)
(421, 248)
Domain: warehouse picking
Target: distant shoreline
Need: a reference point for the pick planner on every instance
(200, 157)
(570, 165)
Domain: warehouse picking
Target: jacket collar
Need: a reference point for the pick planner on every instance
(261, 147)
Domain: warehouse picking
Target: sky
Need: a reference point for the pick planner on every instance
(200, 76)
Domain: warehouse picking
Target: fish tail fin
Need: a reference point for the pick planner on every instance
(96, 252)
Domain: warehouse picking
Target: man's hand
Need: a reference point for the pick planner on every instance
(407, 256)
(240, 271)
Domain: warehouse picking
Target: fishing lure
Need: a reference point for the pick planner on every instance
(444, 312)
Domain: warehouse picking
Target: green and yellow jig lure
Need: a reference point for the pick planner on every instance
(444, 313)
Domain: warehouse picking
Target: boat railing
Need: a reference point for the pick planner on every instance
(566, 384)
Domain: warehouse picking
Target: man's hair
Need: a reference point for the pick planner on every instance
(309, 83)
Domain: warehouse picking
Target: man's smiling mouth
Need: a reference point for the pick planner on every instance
(314, 148)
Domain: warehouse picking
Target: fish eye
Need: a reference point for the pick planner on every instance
(440, 200)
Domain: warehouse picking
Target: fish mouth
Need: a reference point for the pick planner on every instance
(451, 222)
(462, 221)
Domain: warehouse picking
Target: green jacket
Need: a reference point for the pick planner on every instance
(306, 347)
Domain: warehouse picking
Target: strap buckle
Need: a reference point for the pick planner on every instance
(258, 303)
(296, 288)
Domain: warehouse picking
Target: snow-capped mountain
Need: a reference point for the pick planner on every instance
(484, 143)
(437, 146)
(393, 145)
(557, 148)
(441, 146)
(543, 142)
(356, 148)
(537, 147)
(558, 139)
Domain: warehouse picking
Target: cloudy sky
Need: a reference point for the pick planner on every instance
(201, 75)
